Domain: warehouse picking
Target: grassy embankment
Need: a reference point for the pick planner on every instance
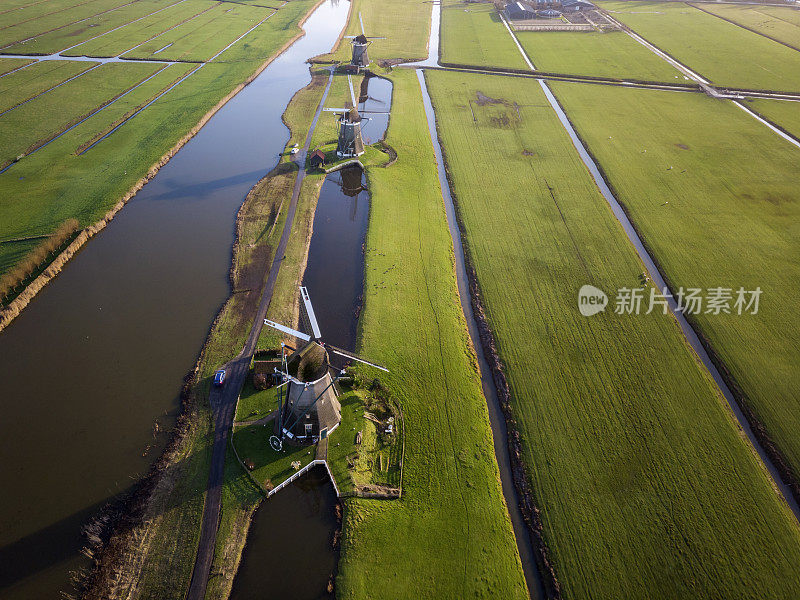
(645, 483)
(56, 183)
(713, 194)
(776, 22)
(473, 34)
(613, 54)
(724, 53)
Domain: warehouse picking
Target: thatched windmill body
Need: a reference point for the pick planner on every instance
(349, 142)
(360, 57)
(309, 408)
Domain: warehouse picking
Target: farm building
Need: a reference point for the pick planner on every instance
(517, 11)
(548, 9)
(317, 159)
(574, 5)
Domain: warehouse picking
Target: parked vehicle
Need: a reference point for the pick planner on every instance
(219, 377)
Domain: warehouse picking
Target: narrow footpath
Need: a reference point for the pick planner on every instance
(223, 400)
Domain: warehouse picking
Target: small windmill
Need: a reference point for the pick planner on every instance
(309, 409)
(349, 141)
(360, 58)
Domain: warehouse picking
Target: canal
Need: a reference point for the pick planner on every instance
(92, 368)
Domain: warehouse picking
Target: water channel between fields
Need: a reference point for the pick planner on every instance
(92, 368)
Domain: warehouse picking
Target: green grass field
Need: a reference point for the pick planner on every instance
(57, 182)
(450, 535)
(204, 36)
(785, 115)
(121, 40)
(473, 34)
(611, 54)
(50, 41)
(41, 18)
(645, 484)
(28, 126)
(776, 22)
(724, 53)
(23, 85)
(731, 221)
(10, 64)
(404, 23)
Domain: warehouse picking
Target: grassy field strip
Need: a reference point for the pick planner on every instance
(726, 54)
(12, 5)
(173, 86)
(48, 117)
(139, 110)
(785, 115)
(127, 37)
(64, 40)
(450, 535)
(201, 38)
(473, 34)
(35, 11)
(612, 54)
(724, 187)
(792, 140)
(776, 25)
(404, 23)
(10, 65)
(39, 79)
(645, 484)
(35, 27)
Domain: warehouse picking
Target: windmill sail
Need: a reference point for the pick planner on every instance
(288, 330)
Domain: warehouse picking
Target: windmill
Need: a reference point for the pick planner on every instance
(349, 141)
(360, 58)
(309, 408)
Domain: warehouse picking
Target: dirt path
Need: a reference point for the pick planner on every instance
(223, 400)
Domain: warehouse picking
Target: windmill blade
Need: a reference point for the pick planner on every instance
(375, 112)
(336, 110)
(310, 311)
(352, 92)
(289, 330)
(362, 23)
(352, 356)
(372, 37)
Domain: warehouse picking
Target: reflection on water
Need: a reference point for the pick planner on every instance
(289, 552)
(335, 271)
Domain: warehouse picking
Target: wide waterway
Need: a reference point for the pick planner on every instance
(97, 359)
